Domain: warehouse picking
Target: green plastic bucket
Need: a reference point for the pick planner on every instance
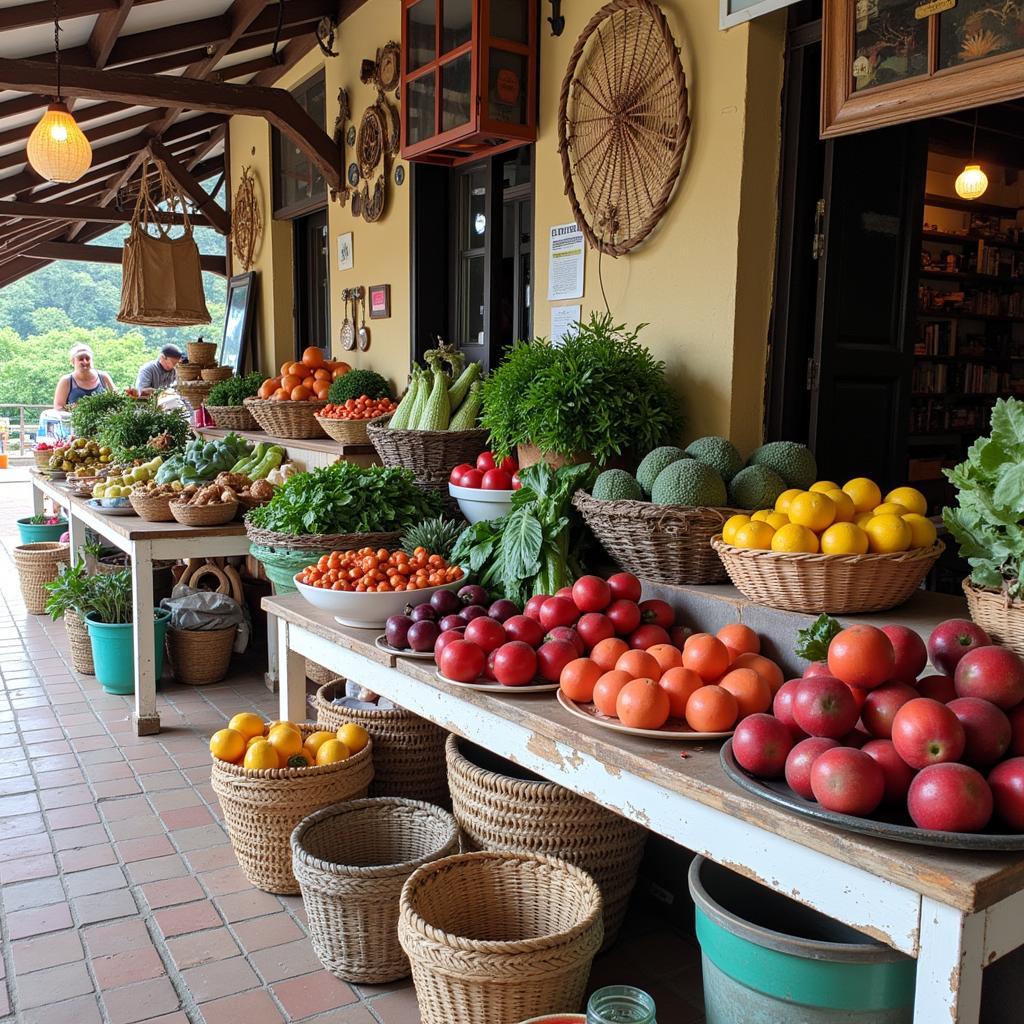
(281, 564)
(36, 533)
(817, 971)
(113, 651)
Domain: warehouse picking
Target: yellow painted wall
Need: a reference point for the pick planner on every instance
(702, 280)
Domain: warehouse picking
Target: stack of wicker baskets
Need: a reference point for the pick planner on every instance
(293, 420)
(216, 373)
(232, 417)
(347, 431)
(201, 353)
(187, 372)
(39, 564)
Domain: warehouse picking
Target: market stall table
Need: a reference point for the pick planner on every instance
(144, 543)
(955, 912)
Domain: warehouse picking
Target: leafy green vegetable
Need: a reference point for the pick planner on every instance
(812, 641)
(128, 431)
(987, 522)
(235, 389)
(345, 498)
(357, 383)
(601, 392)
(88, 413)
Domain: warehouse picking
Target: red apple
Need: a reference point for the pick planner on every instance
(552, 657)
(760, 745)
(625, 615)
(939, 688)
(514, 663)
(565, 592)
(824, 706)
(593, 628)
(1016, 717)
(1007, 783)
(881, 705)
(624, 586)
(991, 673)
(488, 634)
(533, 606)
(926, 732)
(648, 636)
(657, 613)
(950, 798)
(847, 781)
(526, 629)
(861, 656)
(986, 728)
(782, 707)
(488, 672)
(558, 611)
(569, 635)
(800, 761)
(855, 738)
(591, 594)
(911, 653)
(951, 640)
(817, 668)
(898, 774)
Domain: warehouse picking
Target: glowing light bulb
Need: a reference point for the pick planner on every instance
(58, 133)
(57, 149)
(971, 182)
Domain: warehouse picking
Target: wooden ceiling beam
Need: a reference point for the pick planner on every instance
(106, 30)
(83, 115)
(190, 185)
(104, 254)
(81, 211)
(41, 12)
(217, 137)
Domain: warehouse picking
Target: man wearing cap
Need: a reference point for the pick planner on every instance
(159, 373)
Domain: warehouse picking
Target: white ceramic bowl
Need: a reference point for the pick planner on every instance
(113, 502)
(368, 611)
(478, 504)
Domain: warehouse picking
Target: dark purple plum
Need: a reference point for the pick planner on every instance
(396, 631)
(502, 610)
(423, 635)
(444, 602)
(451, 622)
(473, 594)
(472, 611)
(423, 613)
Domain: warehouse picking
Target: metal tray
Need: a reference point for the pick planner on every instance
(895, 823)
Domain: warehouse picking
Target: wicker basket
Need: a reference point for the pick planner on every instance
(495, 938)
(42, 458)
(262, 808)
(194, 391)
(200, 656)
(153, 508)
(837, 584)
(497, 811)
(216, 373)
(246, 504)
(232, 417)
(319, 541)
(204, 515)
(322, 676)
(201, 353)
(351, 861)
(408, 751)
(293, 420)
(39, 564)
(188, 371)
(660, 543)
(81, 645)
(1000, 616)
(430, 454)
(344, 431)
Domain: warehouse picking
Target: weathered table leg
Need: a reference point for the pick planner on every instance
(273, 674)
(37, 501)
(146, 718)
(292, 666)
(949, 965)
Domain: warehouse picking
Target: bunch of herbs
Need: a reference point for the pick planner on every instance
(111, 595)
(129, 431)
(88, 414)
(235, 390)
(70, 591)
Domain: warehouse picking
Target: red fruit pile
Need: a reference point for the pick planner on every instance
(867, 729)
(488, 474)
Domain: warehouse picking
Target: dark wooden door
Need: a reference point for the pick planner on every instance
(312, 283)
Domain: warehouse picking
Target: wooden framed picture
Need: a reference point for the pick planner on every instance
(238, 320)
(380, 301)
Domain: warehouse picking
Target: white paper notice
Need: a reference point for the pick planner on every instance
(565, 263)
(562, 318)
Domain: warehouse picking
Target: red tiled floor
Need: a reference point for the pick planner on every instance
(240, 906)
(192, 917)
(72, 817)
(220, 978)
(39, 987)
(288, 961)
(141, 1001)
(46, 951)
(171, 892)
(202, 947)
(145, 848)
(82, 1010)
(262, 932)
(127, 967)
(312, 993)
(38, 921)
(246, 1008)
(88, 857)
(22, 868)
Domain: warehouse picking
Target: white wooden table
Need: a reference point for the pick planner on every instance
(144, 543)
(954, 911)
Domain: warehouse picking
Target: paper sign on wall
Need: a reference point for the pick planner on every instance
(562, 318)
(565, 263)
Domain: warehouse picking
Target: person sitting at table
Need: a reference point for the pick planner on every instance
(159, 373)
(83, 380)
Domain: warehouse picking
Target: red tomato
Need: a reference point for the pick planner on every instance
(591, 594)
(508, 465)
(496, 480)
(657, 613)
(516, 482)
(462, 661)
(456, 474)
(485, 461)
(515, 663)
(624, 586)
(471, 478)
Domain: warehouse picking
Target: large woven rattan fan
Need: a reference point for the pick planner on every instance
(622, 124)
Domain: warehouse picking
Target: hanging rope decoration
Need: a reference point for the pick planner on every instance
(622, 124)
(246, 221)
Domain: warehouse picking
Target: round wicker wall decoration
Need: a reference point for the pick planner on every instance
(246, 221)
(371, 141)
(622, 124)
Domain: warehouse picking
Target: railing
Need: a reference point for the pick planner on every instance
(19, 442)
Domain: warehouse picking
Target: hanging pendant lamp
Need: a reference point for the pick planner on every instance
(972, 181)
(57, 149)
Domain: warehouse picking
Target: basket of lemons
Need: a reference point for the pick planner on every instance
(269, 776)
(832, 549)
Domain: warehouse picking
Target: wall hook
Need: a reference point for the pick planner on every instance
(556, 20)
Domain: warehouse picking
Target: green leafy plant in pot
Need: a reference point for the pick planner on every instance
(41, 527)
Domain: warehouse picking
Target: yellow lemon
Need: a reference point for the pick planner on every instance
(355, 737)
(863, 518)
(864, 492)
(286, 740)
(315, 740)
(922, 530)
(824, 486)
(227, 745)
(755, 535)
(255, 739)
(845, 512)
(783, 500)
(813, 510)
(260, 756)
(910, 498)
(776, 520)
(887, 533)
(762, 514)
(247, 724)
(890, 508)
(844, 539)
(286, 724)
(332, 752)
(792, 537)
(732, 524)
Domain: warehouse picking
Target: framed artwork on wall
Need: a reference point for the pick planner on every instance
(380, 301)
(238, 321)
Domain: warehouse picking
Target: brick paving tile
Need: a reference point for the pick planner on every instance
(19, 784)
(66, 796)
(60, 779)
(397, 1007)
(85, 858)
(107, 772)
(104, 906)
(221, 978)
(23, 868)
(101, 756)
(245, 1008)
(21, 825)
(83, 1010)
(26, 803)
(357, 1013)
(127, 967)
(312, 993)
(37, 893)
(157, 869)
(151, 765)
(192, 917)
(169, 1018)
(212, 857)
(103, 939)
(117, 810)
(164, 780)
(89, 743)
(288, 961)
(263, 932)
(144, 848)
(47, 951)
(86, 835)
(139, 827)
(239, 906)
(93, 880)
(173, 798)
(72, 817)
(189, 839)
(25, 846)
(186, 817)
(224, 880)
(46, 765)
(38, 988)
(172, 891)
(24, 923)
(201, 947)
(116, 787)
(138, 1002)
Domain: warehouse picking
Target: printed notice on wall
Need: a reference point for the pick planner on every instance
(562, 318)
(565, 263)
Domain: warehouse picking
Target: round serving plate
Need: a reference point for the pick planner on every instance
(674, 730)
(895, 823)
(382, 645)
(490, 687)
(121, 510)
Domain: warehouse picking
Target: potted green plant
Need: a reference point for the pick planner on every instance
(111, 632)
(70, 597)
(598, 397)
(41, 527)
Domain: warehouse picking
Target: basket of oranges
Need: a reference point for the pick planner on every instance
(841, 550)
(268, 777)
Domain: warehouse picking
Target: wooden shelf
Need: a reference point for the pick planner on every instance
(943, 275)
(959, 314)
(943, 236)
(971, 395)
(968, 205)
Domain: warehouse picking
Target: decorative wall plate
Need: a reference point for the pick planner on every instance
(394, 125)
(400, 174)
(373, 202)
(246, 221)
(350, 135)
(353, 174)
(389, 66)
(371, 141)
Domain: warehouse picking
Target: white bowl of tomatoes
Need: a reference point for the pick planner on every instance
(484, 491)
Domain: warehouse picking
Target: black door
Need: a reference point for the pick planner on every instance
(312, 291)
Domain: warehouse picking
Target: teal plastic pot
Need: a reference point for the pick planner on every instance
(113, 650)
(767, 959)
(281, 564)
(35, 533)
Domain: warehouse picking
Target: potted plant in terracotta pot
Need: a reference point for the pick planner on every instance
(598, 397)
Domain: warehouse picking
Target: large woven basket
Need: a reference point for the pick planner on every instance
(408, 751)
(287, 419)
(497, 810)
(262, 808)
(153, 508)
(319, 541)
(660, 543)
(321, 675)
(495, 938)
(344, 431)
(216, 373)
(201, 353)
(430, 454)
(188, 371)
(39, 564)
(351, 861)
(194, 391)
(81, 645)
(232, 417)
(200, 656)
(1000, 616)
(837, 584)
(42, 458)
(204, 515)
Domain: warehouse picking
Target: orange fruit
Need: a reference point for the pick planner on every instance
(309, 381)
(739, 638)
(227, 745)
(578, 678)
(711, 709)
(256, 739)
(321, 388)
(679, 683)
(285, 722)
(322, 374)
(286, 741)
(642, 704)
(706, 655)
(639, 664)
(752, 692)
(268, 387)
(666, 656)
(289, 381)
(301, 394)
(303, 759)
(313, 357)
(280, 395)
(315, 740)
(354, 736)
(248, 724)
(764, 667)
(284, 368)
(340, 369)
(297, 370)
(261, 756)
(607, 652)
(606, 691)
(332, 752)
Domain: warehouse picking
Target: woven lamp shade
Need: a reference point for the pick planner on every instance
(57, 149)
(971, 182)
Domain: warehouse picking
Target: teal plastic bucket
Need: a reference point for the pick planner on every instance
(35, 533)
(816, 971)
(281, 564)
(113, 651)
